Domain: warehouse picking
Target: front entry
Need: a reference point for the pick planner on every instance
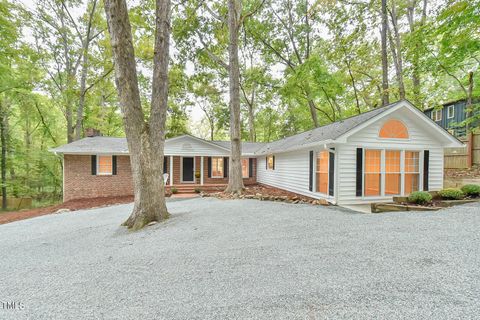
(188, 169)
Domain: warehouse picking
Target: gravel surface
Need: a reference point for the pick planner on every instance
(243, 259)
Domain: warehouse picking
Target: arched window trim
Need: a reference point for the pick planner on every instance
(391, 138)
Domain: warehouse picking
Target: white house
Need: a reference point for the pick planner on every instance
(371, 157)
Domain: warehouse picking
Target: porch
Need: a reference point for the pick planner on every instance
(208, 173)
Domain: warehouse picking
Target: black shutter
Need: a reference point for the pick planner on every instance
(165, 164)
(250, 167)
(426, 160)
(310, 175)
(94, 165)
(273, 167)
(331, 173)
(266, 163)
(359, 184)
(114, 165)
(225, 167)
(209, 165)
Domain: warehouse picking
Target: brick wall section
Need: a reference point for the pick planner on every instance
(79, 183)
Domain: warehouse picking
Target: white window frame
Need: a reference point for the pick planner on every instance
(98, 165)
(383, 171)
(273, 162)
(317, 172)
(223, 168)
(452, 108)
(248, 168)
(437, 115)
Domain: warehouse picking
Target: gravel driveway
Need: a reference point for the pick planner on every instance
(243, 259)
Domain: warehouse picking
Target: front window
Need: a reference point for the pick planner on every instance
(372, 172)
(322, 171)
(392, 172)
(412, 171)
(217, 167)
(450, 112)
(105, 165)
(245, 168)
(270, 162)
(437, 115)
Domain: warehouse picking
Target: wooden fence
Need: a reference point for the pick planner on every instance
(461, 158)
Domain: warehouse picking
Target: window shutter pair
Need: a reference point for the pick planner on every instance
(359, 184)
(225, 167)
(94, 165)
(250, 167)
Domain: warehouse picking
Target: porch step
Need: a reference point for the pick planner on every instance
(182, 189)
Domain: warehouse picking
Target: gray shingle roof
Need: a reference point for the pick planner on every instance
(110, 145)
(330, 131)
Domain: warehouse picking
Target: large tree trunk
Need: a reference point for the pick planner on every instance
(396, 48)
(385, 96)
(468, 105)
(235, 180)
(3, 138)
(145, 139)
(83, 76)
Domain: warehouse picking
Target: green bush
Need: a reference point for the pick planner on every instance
(420, 197)
(472, 190)
(198, 190)
(174, 190)
(451, 194)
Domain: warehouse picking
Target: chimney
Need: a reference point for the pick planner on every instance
(92, 132)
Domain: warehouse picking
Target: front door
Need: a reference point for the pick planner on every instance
(187, 169)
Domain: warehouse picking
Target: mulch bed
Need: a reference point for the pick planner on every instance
(262, 192)
(71, 205)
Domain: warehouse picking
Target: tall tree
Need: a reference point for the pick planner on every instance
(235, 179)
(383, 34)
(145, 134)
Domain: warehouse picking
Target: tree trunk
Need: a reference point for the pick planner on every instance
(235, 180)
(468, 105)
(3, 138)
(385, 96)
(416, 55)
(396, 47)
(83, 76)
(145, 139)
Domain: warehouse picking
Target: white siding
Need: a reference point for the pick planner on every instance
(291, 173)
(368, 138)
(292, 169)
(188, 146)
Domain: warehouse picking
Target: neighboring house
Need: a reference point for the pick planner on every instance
(393, 150)
(451, 115)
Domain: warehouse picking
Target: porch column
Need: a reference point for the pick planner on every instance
(201, 170)
(171, 170)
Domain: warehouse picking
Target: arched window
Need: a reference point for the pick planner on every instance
(394, 129)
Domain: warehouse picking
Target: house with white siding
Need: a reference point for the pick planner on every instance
(371, 157)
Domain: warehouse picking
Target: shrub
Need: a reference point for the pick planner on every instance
(472, 190)
(174, 190)
(420, 197)
(198, 190)
(451, 194)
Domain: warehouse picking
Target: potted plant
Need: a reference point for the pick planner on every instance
(197, 176)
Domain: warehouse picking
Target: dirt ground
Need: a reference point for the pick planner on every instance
(70, 205)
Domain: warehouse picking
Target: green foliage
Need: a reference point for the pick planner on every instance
(451, 194)
(198, 190)
(174, 190)
(420, 197)
(472, 190)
